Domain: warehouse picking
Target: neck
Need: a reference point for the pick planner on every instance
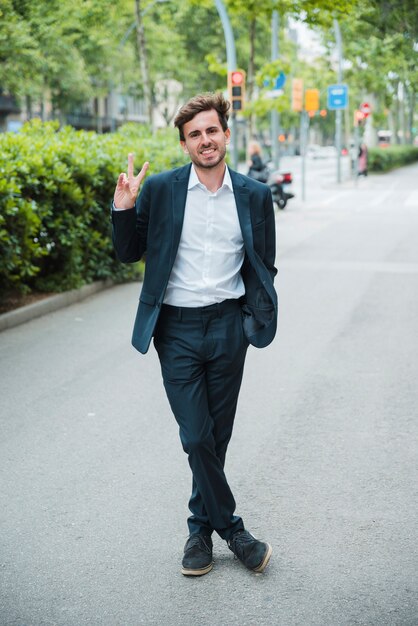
(211, 177)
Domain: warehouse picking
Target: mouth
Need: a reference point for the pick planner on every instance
(208, 152)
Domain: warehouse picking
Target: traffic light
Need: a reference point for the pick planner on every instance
(359, 118)
(311, 100)
(236, 89)
(297, 94)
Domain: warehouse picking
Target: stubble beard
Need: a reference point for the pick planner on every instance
(215, 163)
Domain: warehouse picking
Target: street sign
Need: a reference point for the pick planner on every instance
(276, 86)
(337, 97)
(366, 109)
(280, 81)
(311, 100)
(297, 94)
(273, 93)
(275, 83)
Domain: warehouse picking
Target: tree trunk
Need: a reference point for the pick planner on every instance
(412, 105)
(402, 113)
(28, 107)
(143, 60)
(395, 110)
(410, 98)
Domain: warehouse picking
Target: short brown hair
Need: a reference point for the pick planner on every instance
(199, 103)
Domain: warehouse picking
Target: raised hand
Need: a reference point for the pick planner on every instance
(127, 186)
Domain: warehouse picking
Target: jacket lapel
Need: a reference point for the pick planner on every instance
(178, 205)
(242, 200)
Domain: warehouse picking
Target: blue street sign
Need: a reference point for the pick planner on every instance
(280, 81)
(275, 83)
(337, 97)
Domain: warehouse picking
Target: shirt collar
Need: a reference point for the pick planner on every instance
(194, 180)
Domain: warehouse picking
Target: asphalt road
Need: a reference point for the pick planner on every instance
(323, 460)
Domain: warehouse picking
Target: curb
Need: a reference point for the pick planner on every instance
(49, 305)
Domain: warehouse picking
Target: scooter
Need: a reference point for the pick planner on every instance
(279, 185)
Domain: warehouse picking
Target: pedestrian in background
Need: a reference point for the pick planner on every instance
(257, 168)
(209, 237)
(362, 160)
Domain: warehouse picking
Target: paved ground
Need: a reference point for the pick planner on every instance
(323, 460)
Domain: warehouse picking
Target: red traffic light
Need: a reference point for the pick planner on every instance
(237, 78)
(236, 89)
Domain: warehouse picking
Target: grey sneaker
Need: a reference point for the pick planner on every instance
(197, 558)
(252, 553)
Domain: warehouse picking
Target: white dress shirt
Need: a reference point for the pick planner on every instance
(207, 267)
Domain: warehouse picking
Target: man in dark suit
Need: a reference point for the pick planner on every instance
(209, 238)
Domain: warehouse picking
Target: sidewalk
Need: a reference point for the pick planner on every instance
(48, 305)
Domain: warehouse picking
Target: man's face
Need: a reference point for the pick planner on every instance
(205, 141)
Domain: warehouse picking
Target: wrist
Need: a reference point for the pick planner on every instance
(122, 208)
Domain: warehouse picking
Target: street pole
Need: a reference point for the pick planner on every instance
(140, 35)
(274, 116)
(231, 58)
(304, 126)
(338, 112)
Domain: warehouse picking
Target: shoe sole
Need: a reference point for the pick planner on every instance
(196, 572)
(264, 562)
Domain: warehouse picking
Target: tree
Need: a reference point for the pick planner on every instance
(57, 47)
(379, 44)
(75, 50)
(20, 57)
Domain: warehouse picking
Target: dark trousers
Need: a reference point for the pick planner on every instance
(202, 353)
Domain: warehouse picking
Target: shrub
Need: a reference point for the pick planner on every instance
(55, 192)
(385, 159)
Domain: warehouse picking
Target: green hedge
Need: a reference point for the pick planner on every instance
(55, 192)
(385, 159)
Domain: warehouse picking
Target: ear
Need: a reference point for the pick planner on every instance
(183, 145)
(227, 135)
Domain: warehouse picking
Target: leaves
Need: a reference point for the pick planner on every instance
(55, 193)
(62, 46)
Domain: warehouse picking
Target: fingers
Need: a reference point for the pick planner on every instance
(142, 173)
(140, 177)
(130, 166)
(122, 180)
(131, 182)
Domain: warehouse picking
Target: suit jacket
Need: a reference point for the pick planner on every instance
(154, 227)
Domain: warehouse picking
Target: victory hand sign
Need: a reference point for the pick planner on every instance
(127, 187)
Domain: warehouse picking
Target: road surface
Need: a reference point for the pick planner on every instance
(323, 460)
